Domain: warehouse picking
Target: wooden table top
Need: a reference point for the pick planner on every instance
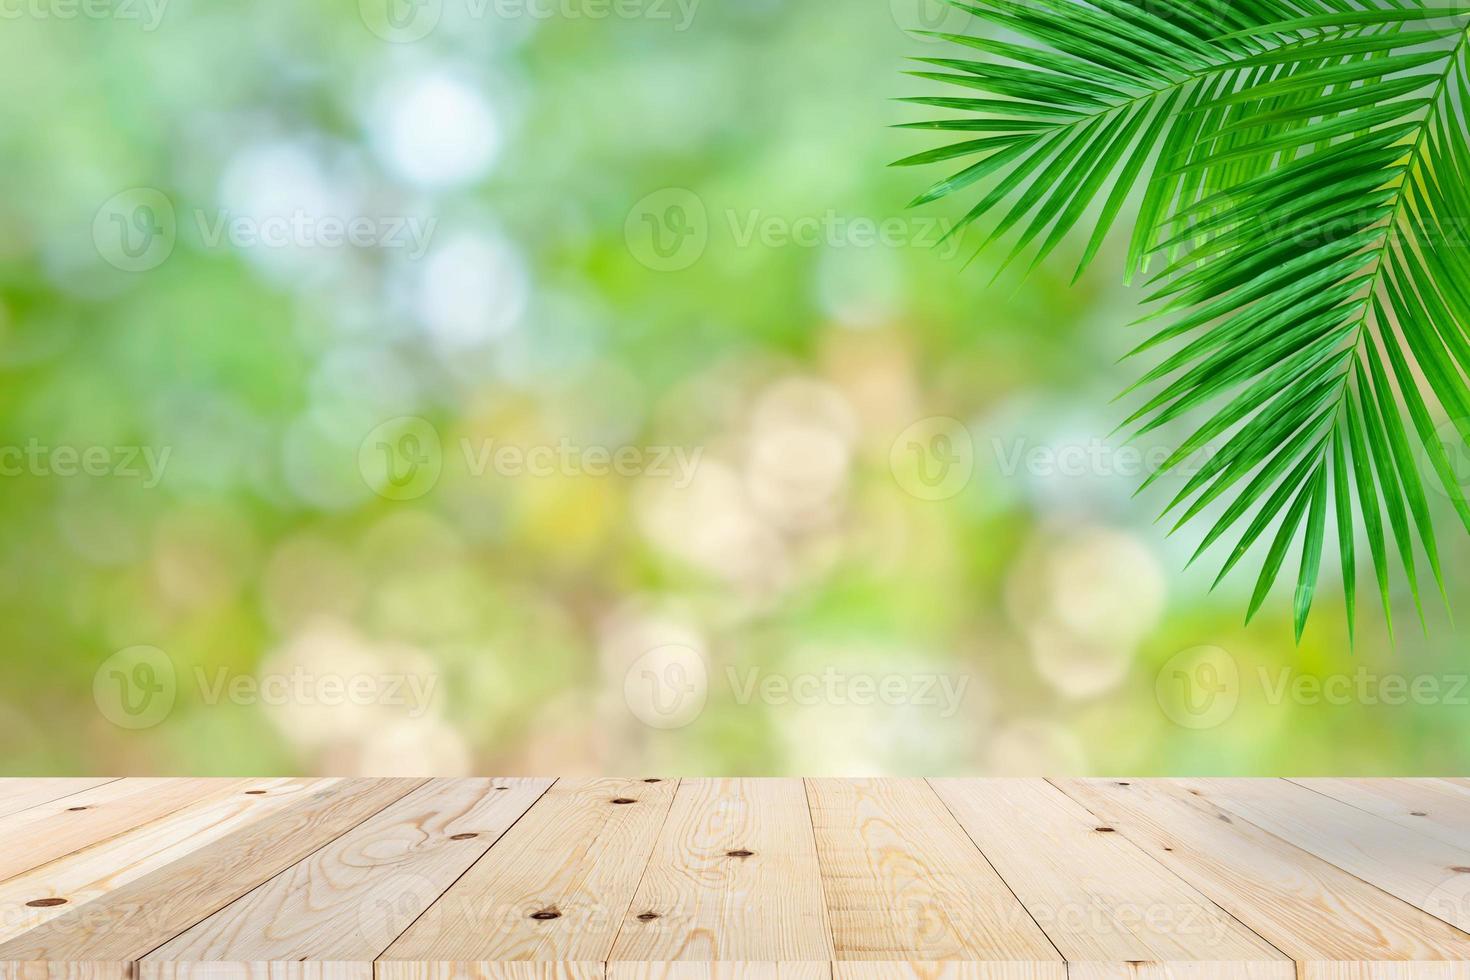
(734, 879)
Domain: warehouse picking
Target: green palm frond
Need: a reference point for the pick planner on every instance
(1302, 171)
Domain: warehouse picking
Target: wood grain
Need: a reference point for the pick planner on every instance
(38, 834)
(733, 876)
(735, 879)
(352, 898)
(225, 970)
(22, 794)
(946, 970)
(132, 921)
(55, 889)
(1307, 907)
(1100, 899)
(556, 886)
(1436, 807)
(502, 970)
(904, 883)
(719, 970)
(1410, 865)
(1386, 971)
(75, 970)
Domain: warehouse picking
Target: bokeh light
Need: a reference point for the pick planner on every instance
(574, 395)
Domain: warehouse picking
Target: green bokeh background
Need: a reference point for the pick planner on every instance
(801, 344)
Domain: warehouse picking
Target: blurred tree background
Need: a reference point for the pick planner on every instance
(560, 386)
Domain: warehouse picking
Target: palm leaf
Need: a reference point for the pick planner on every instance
(1303, 174)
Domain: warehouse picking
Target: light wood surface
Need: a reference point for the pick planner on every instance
(1408, 864)
(1437, 807)
(131, 921)
(267, 970)
(1310, 909)
(905, 883)
(734, 879)
(1099, 898)
(339, 904)
(92, 872)
(31, 837)
(22, 794)
(558, 884)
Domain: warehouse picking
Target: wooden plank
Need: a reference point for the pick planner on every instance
(1407, 864)
(1100, 899)
(514, 970)
(945, 970)
(1307, 907)
(556, 886)
(1388, 971)
(688, 969)
(38, 834)
(132, 921)
(904, 883)
(52, 890)
(742, 880)
(733, 876)
(1435, 807)
(36, 970)
(1181, 970)
(352, 898)
(22, 794)
(977, 970)
(224, 970)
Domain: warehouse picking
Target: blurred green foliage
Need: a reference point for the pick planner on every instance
(382, 530)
